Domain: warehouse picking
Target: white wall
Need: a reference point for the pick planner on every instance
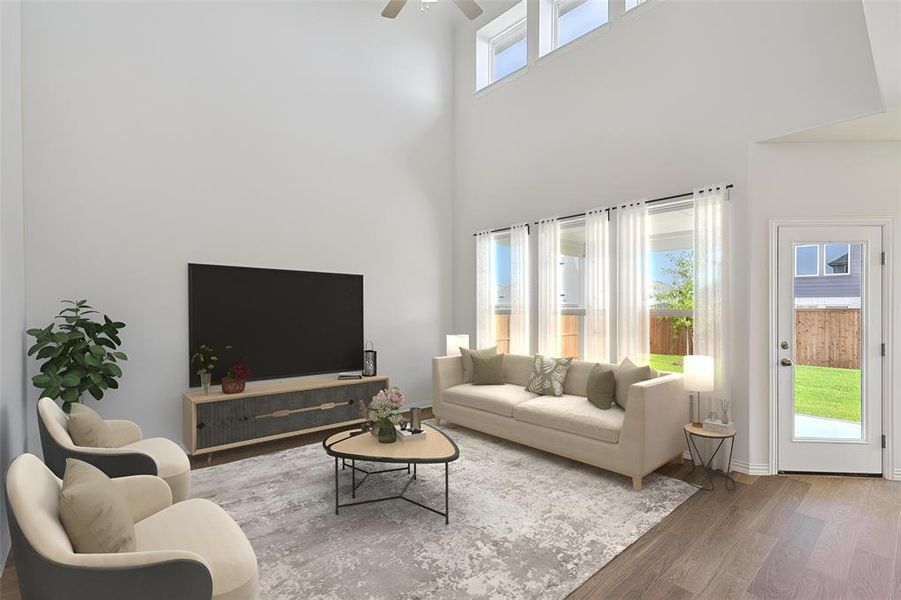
(302, 135)
(12, 256)
(850, 179)
(658, 102)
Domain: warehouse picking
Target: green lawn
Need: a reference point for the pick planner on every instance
(819, 391)
(666, 362)
(827, 392)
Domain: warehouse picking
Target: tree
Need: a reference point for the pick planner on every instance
(680, 295)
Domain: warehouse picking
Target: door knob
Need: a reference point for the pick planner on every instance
(786, 362)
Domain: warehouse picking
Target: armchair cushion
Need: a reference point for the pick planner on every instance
(145, 495)
(87, 428)
(94, 511)
(203, 528)
(171, 461)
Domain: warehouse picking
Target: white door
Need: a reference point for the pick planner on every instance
(830, 349)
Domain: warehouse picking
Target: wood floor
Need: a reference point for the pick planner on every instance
(791, 536)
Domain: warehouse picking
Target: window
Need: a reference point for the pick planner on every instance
(571, 273)
(501, 46)
(502, 282)
(671, 302)
(630, 4)
(836, 259)
(807, 261)
(562, 21)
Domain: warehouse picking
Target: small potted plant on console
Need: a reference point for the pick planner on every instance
(235, 378)
(384, 414)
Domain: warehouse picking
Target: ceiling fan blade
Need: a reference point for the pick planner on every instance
(469, 8)
(393, 8)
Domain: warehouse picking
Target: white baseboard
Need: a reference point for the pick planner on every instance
(897, 476)
(749, 468)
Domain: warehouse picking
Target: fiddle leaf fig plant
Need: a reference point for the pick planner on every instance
(79, 352)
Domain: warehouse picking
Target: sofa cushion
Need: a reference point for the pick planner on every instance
(94, 511)
(467, 355)
(87, 428)
(517, 368)
(626, 376)
(602, 387)
(576, 383)
(202, 527)
(548, 375)
(488, 370)
(498, 399)
(572, 414)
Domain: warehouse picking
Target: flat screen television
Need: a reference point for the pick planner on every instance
(279, 323)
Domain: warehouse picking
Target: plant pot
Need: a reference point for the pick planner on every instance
(387, 432)
(232, 386)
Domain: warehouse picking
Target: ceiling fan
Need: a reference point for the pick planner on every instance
(468, 7)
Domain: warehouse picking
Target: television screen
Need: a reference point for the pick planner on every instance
(278, 323)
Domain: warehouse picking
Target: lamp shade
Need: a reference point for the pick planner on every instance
(455, 341)
(698, 371)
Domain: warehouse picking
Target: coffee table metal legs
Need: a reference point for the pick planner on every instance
(354, 485)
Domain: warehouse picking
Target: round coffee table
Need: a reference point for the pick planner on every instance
(354, 445)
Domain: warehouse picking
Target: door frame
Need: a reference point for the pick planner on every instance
(888, 400)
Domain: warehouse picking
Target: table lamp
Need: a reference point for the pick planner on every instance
(455, 341)
(699, 378)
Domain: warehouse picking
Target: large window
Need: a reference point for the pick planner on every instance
(630, 4)
(671, 249)
(501, 46)
(571, 275)
(502, 283)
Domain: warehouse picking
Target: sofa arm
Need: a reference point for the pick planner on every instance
(447, 371)
(656, 415)
(145, 495)
(124, 432)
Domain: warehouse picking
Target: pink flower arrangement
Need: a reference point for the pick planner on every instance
(386, 405)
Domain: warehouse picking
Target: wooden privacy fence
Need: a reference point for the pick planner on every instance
(828, 337)
(664, 339)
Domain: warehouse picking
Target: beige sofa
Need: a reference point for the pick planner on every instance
(634, 442)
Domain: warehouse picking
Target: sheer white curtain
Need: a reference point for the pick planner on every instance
(711, 285)
(597, 285)
(548, 288)
(485, 292)
(632, 317)
(519, 289)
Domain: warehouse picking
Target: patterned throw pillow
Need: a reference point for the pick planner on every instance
(548, 375)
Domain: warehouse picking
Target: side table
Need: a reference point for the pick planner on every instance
(692, 431)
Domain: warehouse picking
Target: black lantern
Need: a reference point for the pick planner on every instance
(369, 360)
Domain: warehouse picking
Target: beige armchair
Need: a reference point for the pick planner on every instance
(187, 551)
(133, 456)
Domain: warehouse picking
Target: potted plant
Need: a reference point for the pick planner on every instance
(204, 361)
(235, 378)
(384, 414)
(81, 354)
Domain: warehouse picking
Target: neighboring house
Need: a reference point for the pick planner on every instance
(827, 275)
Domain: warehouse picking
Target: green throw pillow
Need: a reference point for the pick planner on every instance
(601, 387)
(626, 376)
(467, 360)
(548, 375)
(488, 370)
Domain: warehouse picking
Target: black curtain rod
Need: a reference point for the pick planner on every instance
(582, 214)
(500, 229)
(664, 199)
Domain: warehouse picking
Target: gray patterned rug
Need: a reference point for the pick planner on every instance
(523, 524)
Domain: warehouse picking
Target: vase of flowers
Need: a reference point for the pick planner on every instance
(235, 378)
(204, 361)
(384, 414)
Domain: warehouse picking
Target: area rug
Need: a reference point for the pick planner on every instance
(523, 523)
